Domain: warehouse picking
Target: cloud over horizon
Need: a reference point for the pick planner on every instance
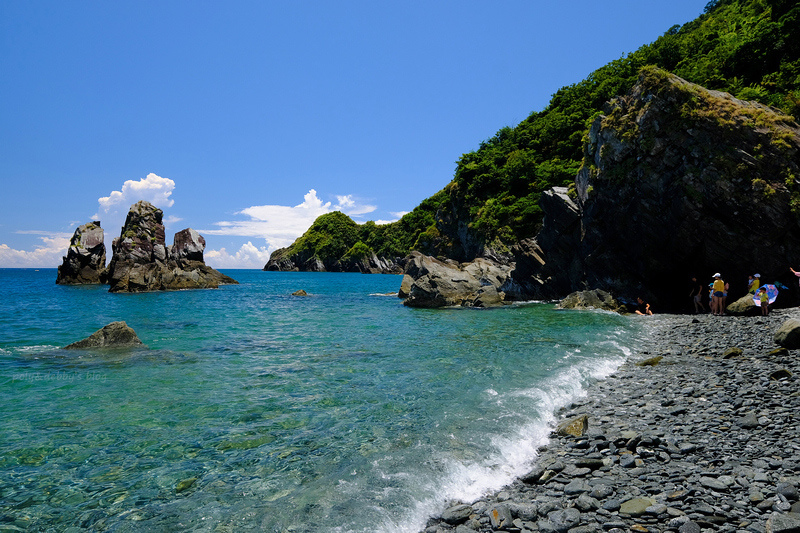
(153, 188)
(49, 252)
(280, 225)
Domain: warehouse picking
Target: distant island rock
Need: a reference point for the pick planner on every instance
(142, 261)
(332, 244)
(85, 262)
(114, 335)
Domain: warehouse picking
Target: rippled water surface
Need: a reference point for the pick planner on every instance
(251, 409)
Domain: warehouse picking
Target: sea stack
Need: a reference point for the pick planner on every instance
(142, 261)
(85, 262)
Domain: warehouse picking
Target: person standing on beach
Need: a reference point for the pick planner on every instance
(697, 295)
(764, 298)
(718, 292)
(795, 272)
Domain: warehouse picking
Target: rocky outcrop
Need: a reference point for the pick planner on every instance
(677, 180)
(282, 260)
(429, 282)
(85, 262)
(594, 299)
(744, 306)
(370, 264)
(788, 335)
(114, 335)
(142, 261)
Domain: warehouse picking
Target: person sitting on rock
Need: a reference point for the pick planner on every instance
(642, 307)
(764, 297)
(753, 284)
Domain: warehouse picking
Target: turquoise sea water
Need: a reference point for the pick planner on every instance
(253, 410)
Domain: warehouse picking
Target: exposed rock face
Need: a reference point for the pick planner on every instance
(370, 264)
(595, 299)
(429, 282)
(675, 180)
(114, 335)
(142, 261)
(282, 261)
(85, 262)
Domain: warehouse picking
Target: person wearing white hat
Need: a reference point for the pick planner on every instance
(717, 293)
(754, 284)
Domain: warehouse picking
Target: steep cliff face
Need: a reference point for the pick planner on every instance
(143, 262)
(85, 262)
(677, 181)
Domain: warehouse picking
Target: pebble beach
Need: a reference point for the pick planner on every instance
(697, 431)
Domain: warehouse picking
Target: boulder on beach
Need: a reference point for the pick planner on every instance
(575, 427)
(788, 335)
(744, 306)
(114, 335)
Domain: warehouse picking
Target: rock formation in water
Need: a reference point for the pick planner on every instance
(142, 261)
(429, 282)
(85, 262)
(114, 335)
(677, 180)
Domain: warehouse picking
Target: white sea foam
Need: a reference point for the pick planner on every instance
(516, 452)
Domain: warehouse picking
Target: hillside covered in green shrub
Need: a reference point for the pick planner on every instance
(748, 48)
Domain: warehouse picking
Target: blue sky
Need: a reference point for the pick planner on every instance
(246, 120)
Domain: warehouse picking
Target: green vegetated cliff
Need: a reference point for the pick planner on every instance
(748, 48)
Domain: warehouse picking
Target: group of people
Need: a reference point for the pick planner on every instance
(719, 293)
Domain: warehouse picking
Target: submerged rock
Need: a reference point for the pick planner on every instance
(85, 262)
(114, 335)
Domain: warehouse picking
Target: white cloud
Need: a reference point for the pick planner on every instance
(280, 225)
(350, 206)
(48, 254)
(114, 208)
(153, 188)
(398, 215)
(248, 256)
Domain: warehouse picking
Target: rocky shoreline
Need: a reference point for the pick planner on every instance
(698, 431)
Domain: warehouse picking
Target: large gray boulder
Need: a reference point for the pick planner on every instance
(85, 262)
(448, 284)
(142, 262)
(114, 335)
(595, 299)
(788, 335)
(744, 306)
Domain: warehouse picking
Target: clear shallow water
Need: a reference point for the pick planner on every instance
(252, 409)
